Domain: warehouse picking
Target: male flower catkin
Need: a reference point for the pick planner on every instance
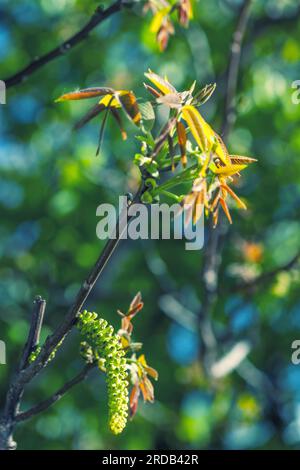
(106, 345)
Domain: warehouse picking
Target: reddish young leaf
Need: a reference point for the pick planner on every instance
(181, 133)
(134, 400)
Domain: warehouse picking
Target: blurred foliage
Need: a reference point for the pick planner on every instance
(51, 184)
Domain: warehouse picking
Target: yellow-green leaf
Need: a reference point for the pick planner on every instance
(163, 85)
(200, 130)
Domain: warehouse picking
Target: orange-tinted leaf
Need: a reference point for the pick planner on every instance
(127, 325)
(215, 201)
(152, 372)
(215, 217)
(147, 389)
(185, 12)
(137, 299)
(240, 203)
(117, 118)
(225, 209)
(181, 133)
(198, 207)
(85, 94)
(152, 90)
(128, 102)
(135, 306)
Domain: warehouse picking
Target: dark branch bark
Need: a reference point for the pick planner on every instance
(233, 69)
(16, 388)
(35, 330)
(45, 404)
(87, 286)
(23, 376)
(97, 18)
(65, 327)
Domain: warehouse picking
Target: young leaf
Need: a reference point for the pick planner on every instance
(163, 85)
(181, 133)
(148, 116)
(85, 94)
(200, 130)
(128, 102)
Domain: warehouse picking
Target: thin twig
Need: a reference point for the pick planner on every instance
(35, 330)
(233, 68)
(24, 376)
(97, 18)
(45, 404)
(86, 288)
(64, 328)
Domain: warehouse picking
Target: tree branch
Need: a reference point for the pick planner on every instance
(87, 286)
(35, 330)
(23, 376)
(96, 19)
(64, 328)
(233, 69)
(45, 404)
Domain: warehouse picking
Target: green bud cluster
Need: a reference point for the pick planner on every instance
(53, 354)
(34, 354)
(106, 345)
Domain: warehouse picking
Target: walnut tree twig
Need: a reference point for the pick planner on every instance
(233, 68)
(96, 19)
(25, 375)
(45, 404)
(35, 330)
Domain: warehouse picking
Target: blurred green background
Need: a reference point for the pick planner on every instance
(51, 184)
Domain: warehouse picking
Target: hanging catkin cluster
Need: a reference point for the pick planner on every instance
(106, 346)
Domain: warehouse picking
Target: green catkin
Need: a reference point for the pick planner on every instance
(107, 346)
